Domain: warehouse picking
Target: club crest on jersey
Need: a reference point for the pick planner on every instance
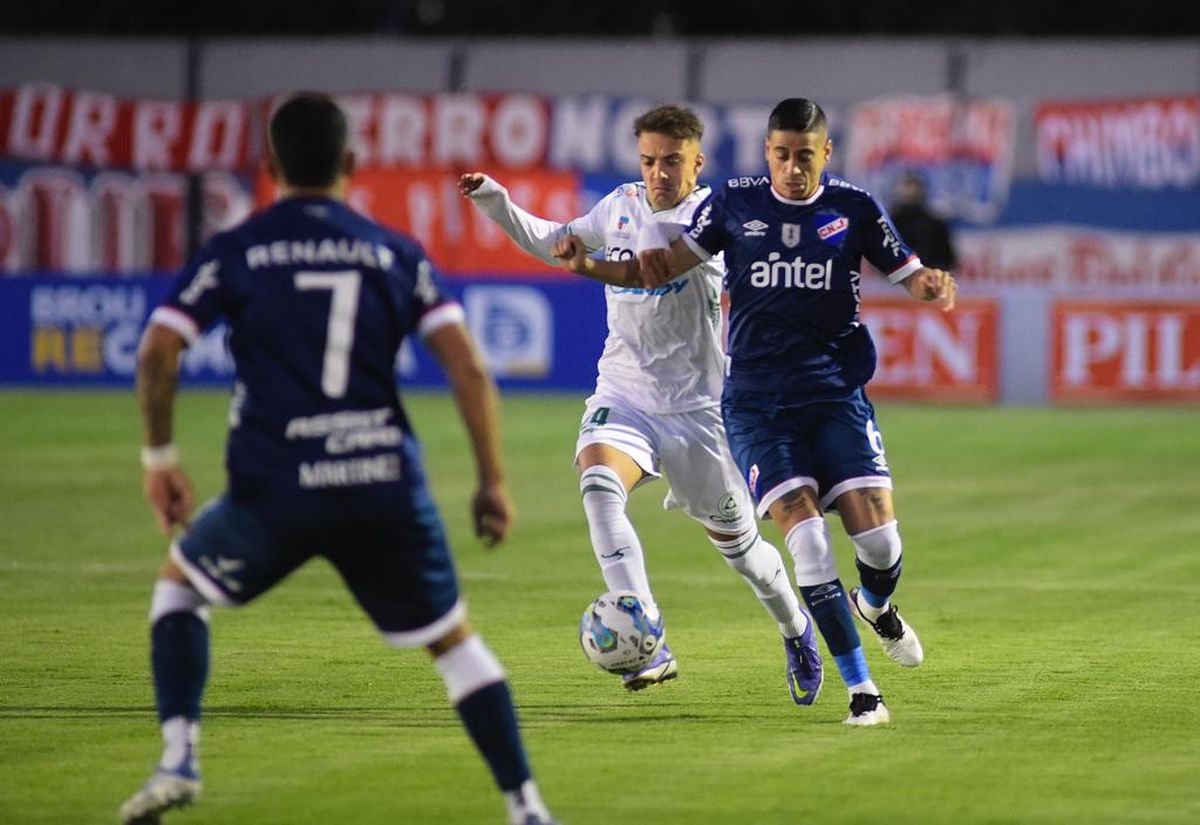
(791, 234)
(755, 228)
(832, 228)
(622, 222)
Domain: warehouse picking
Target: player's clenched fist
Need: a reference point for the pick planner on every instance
(469, 182)
(655, 266)
(571, 252)
(933, 285)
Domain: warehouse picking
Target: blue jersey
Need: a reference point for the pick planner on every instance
(793, 277)
(318, 299)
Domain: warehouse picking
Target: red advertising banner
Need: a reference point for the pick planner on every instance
(47, 123)
(458, 237)
(1125, 351)
(964, 149)
(1079, 259)
(1146, 143)
(926, 354)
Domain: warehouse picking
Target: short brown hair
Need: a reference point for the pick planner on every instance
(676, 122)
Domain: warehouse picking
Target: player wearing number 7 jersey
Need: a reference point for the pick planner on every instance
(321, 458)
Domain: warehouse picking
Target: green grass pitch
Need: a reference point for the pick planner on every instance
(1052, 569)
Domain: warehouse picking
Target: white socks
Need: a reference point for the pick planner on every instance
(614, 541)
(180, 737)
(761, 566)
(524, 801)
(467, 667)
(808, 542)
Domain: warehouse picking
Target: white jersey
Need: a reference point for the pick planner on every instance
(663, 353)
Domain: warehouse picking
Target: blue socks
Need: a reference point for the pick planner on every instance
(491, 720)
(877, 585)
(179, 659)
(830, 608)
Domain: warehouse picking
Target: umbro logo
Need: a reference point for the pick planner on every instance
(755, 229)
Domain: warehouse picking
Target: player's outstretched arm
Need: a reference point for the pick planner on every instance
(165, 486)
(475, 396)
(660, 265)
(573, 255)
(535, 235)
(928, 284)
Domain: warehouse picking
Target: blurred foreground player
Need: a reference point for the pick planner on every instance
(321, 458)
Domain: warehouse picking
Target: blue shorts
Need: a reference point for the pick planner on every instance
(781, 444)
(388, 544)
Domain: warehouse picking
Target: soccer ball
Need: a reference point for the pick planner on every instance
(617, 635)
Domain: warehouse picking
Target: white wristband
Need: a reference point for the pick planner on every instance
(160, 457)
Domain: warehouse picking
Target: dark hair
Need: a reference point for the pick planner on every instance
(797, 114)
(673, 121)
(308, 136)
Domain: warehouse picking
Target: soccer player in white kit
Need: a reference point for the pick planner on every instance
(656, 407)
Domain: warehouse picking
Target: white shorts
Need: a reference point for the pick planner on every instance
(689, 448)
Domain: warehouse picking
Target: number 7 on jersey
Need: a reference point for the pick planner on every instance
(339, 340)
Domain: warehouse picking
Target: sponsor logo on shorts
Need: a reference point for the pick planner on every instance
(219, 570)
(753, 479)
(728, 510)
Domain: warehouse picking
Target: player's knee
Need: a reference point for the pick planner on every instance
(878, 547)
(171, 596)
(808, 543)
(750, 556)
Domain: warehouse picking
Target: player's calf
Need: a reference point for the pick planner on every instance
(477, 686)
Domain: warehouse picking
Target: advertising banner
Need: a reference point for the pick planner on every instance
(1079, 259)
(1125, 351)
(47, 123)
(1144, 143)
(62, 219)
(84, 332)
(458, 237)
(926, 354)
(963, 148)
(454, 131)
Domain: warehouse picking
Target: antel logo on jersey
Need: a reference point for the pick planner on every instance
(755, 228)
(791, 235)
(832, 228)
(794, 273)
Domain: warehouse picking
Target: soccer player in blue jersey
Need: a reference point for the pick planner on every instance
(321, 458)
(657, 404)
(798, 420)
